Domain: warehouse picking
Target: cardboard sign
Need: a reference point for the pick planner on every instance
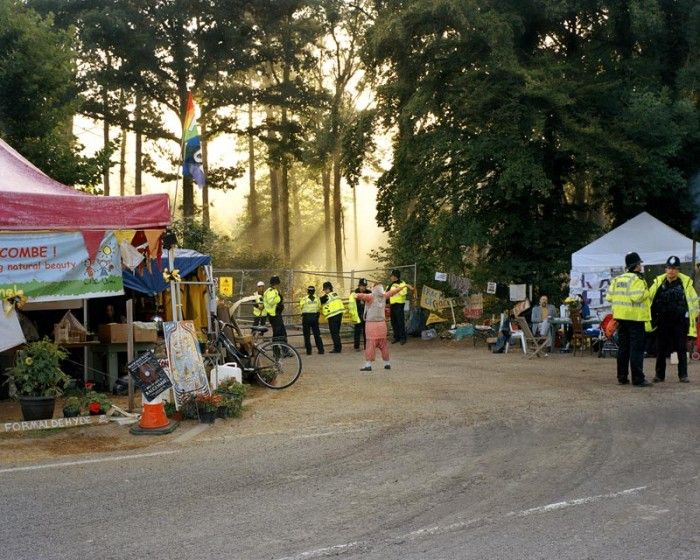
(491, 287)
(474, 307)
(226, 286)
(441, 276)
(149, 376)
(433, 299)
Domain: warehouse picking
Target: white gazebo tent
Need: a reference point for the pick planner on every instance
(594, 265)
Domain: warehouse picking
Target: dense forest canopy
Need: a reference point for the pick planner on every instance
(521, 128)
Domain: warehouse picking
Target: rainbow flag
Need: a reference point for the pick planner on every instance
(192, 160)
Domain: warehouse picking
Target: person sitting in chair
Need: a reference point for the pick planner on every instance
(541, 315)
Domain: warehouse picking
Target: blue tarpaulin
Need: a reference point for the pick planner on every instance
(152, 283)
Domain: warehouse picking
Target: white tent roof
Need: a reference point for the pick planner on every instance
(644, 234)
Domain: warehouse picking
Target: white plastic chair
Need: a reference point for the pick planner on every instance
(519, 335)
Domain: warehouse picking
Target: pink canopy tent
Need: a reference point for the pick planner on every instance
(30, 200)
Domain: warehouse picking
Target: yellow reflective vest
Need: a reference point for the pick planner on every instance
(333, 306)
(629, 296)
(691, 298)
(352, 308)
(308, 306)
(259, 306)
(401, 296)
(271, 298)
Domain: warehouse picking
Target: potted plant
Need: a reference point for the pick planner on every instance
(232, 394)
(96, 403)
(207, 406)
(171, 411)
(71, 407)
(36, 379)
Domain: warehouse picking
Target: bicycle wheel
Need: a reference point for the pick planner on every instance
(277, 365)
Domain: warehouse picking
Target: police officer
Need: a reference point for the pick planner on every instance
(674, 310)
(359, 327)
(274, 305)
(398, 317)
(259, 313)
(629, 296)
(332, 308)
(310, 306)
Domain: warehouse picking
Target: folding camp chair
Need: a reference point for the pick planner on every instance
(535, 344)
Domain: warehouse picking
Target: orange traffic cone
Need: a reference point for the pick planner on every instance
(153, 420)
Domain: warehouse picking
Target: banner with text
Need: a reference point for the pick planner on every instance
(56, 266)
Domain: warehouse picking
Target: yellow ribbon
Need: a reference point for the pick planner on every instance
(16, 301)
(173, 276)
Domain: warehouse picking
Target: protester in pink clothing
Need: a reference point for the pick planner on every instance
(375, 324)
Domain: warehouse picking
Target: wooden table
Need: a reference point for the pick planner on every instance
(112, 352)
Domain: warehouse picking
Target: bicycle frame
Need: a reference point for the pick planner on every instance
(227, 343)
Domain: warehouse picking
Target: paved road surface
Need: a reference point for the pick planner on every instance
(610, 473)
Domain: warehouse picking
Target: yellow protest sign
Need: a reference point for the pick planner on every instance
(226, 286)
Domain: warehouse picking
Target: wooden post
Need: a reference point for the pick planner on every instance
(130, 346)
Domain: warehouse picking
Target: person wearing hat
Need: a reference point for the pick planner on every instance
(274, 306)
(332, 308)
(396, 303)
(629, 296)
(259, 313)
(310, 307)
(359, 329)
(674, 310)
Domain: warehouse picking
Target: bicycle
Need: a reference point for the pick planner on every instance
(274, 363)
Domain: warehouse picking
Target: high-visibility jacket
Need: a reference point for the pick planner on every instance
(333, 306)
(259, 306)
(271, 298)
(691, 298)
(307, 305)
(401, 296)
(352, 308)
(629, 296)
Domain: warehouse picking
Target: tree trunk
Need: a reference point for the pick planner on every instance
(355, 227)
(187, 197)
(274, 206)
(284, 187)
(252, 194)
(105, 138)
(122, 164)
(284, 203)
(296, 204)
(274, 188)
(205, 167)
(327, 235)
(337, 211)
(138, 151)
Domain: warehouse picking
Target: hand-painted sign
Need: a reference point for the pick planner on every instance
(433, 299)
(56, 266)
(149, 376)
(186, 365)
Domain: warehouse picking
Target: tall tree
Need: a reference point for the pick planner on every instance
(505, 110)
(38, 95)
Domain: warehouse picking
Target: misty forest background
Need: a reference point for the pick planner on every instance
(520, 129)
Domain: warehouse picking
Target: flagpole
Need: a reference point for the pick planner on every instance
(182, 162)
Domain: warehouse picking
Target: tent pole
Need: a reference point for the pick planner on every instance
(173, 288)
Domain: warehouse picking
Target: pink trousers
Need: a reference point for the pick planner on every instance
(376, 334)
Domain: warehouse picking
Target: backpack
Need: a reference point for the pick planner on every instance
(608, 326)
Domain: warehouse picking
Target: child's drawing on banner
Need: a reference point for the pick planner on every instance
(186, 365)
